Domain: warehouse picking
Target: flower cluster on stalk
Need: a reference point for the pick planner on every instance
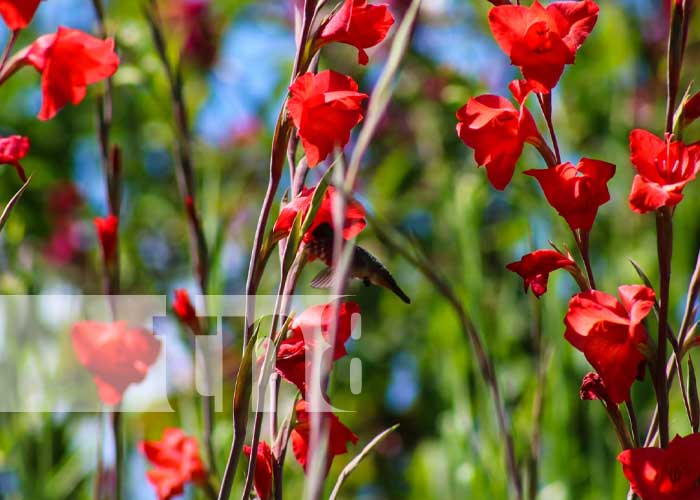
(609, 331)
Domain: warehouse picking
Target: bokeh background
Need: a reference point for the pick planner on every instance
(418, 177)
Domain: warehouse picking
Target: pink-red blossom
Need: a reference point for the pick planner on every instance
(497, 132)
(576, 192)
(611, 334)
(664, 167)
(177, 462)
(12, 150)
(541, 41)
(357, 23)
(116, 355)
(665, 474)
(535, 267)
(324, 108)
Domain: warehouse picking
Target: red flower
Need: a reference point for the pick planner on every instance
(610, 334)
(576, 192)
(69, 61)
(665, 474)
(354, 215)
(295, 353)
(263, 469)
(542, 41)
(359, 24)
(12, 150)
(535, 267)
(116, 355)
(324, 109)
(663, 170)
(497, 132)
(185, 311)
(177, 462)
(107, 228)
(691, 109)
(18, 13)
(338, 436)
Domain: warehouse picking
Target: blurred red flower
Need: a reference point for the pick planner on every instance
(185, 311)
(497, 132)
(18, 13)
(262, 480)
(116, 355)
(359, 24)
(355, 220)
(177, 462)
(665, 474)
(338, 436)
(12, 150)
(610, 334)
(535, 267)
(664, 167)
(295, 353)
(324, 108)
(576, 192)
(541, 41)
(69, 61)
(107, 228)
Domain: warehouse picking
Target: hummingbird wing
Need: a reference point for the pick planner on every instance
(324, 279)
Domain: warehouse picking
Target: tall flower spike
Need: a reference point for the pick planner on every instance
(68, 61)
(17, 14)
(324, 108)
(664, 167)
(610, 334)
(576, 192)
(541, 41)
(359, 24)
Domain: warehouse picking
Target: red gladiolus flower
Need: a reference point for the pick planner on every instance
(576, 192)
(324, 108)
(663, 170)
(177, 462)
(262, 480)
(691, 109)
(497, 132)
(359, 24)
(18, 13)
(12, 150)
(185, 311)
(535, 267)
(117, 355)
(541, 41)
(69, 61)
(355, 220)
(295, 354)
(338, 436)
(610, 334)
(665, 474)
(107, 228)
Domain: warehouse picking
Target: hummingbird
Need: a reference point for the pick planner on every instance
(364, 266)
